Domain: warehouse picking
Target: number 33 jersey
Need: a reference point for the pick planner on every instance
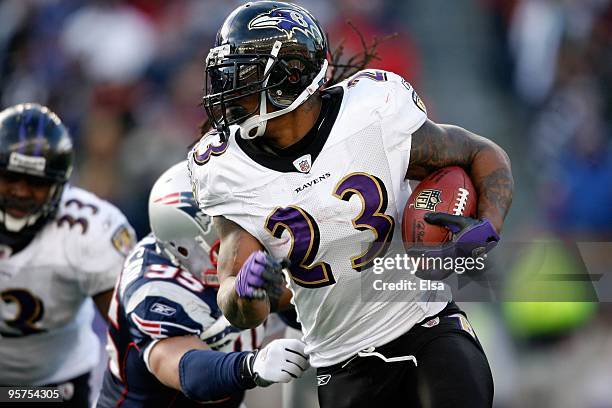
(45, 291)
(331, 203)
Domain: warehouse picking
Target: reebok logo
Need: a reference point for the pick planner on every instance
(323, 379)
(162, 309)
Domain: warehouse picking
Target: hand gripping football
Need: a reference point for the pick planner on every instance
(448, 190)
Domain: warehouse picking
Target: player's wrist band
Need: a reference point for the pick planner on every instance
(248, 373)
(207, 375)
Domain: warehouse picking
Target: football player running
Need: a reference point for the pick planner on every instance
(60, 248)
(320, 176)
(169, 343)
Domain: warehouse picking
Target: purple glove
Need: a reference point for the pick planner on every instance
(472, 238)
(259, 276)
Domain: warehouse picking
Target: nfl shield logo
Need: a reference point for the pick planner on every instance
(303, 164)
(428, 200)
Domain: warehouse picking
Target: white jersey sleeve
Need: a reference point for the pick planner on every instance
(395, 104)
(96, 255)
(212, 190)
(404, 115)
(406, 109)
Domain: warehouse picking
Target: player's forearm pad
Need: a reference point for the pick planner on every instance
(208, 375)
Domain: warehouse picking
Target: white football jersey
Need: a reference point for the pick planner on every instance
(330, 203)
(45, 306)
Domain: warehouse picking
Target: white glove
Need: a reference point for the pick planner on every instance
(280, 361)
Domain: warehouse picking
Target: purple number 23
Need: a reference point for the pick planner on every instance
(305, 237)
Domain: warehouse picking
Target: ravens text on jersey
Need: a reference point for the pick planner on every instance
(320, 176)
(321, 220)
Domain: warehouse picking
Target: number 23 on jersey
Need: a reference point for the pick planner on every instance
(304, 232)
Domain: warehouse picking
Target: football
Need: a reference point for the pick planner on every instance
(448, 190)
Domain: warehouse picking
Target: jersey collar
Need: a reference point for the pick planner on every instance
(282, 160)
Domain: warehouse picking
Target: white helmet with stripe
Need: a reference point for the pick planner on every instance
(183, 232)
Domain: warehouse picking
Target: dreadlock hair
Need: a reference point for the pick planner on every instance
(358, 62)
(340, 70)
(205, 127)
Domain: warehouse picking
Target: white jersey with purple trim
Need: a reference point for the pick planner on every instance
(331, 203)
(46, 309)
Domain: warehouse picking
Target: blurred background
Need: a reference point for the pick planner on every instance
(533, 75)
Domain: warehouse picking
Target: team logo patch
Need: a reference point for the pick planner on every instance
(418, 102)
(415, 96)
(123, 240)
(428, 200)
(162, 309)
(407, 85)
(287, 21)
(185, 202)
(465, 325)
(323, 379)
(431, 323)
(303, 164)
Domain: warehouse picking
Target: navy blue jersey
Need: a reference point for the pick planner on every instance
(153, 300)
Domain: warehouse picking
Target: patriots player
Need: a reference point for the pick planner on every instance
(169, 344)
(61, 250)
(320, 176)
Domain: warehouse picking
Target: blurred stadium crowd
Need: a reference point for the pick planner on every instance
(127, 78)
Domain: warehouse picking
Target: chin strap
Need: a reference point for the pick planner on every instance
(17, 240)
(254, 123)
(255, 126)
(15, 225)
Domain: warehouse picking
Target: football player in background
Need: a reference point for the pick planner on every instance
(321, 177)
(61, 250)
(169, 343)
